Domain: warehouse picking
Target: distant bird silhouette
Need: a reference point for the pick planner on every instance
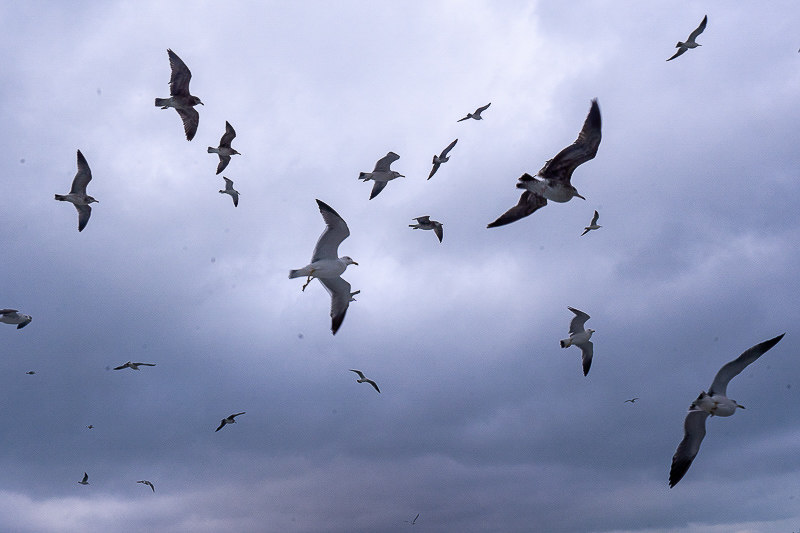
(85, 480)
(593, 225)
(90, 426)
(632, 400)
(180, 99)
(477, 114)
(77, 195)
(426, 223)
(11, 316)
(133, 366)
(381, 174)
(363, 379)
(30, 372)
(580, 337)
(231, 191)
(555, 184)
(413, 521)
(682, 47)
(145, 482)
(224, 150)
(441, 158)
(228, 420)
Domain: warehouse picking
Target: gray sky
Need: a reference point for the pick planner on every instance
(483, 423)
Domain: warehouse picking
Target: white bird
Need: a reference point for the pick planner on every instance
(228, 420)
(11, 316)
(714, 402)
(85, 480)
(441, 158)
(381, 175)
(224, 150)
(580, 338)
(77, 195)
(593, 225)
(145, 482)
(682, 47)
(426, 223)
(556, 173)
(477, 114)
(180, 99)
(231, 191)
(133, 366)
(327, 267)
(363, 379)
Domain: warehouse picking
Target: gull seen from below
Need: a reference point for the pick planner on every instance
(426, 223)
(327, 267)
(477, 114)
(580, 337)
(364, 379)
(441, 158)
(132, 366)
(145, 482)
(12, 316)
(224, 150)
(180, 99)
(382, 174)
(228, 420)
(231, 191)
(714, 402)
(77, 194)
(593, 225)
(682, 47)
(85, 480)
(556, 173)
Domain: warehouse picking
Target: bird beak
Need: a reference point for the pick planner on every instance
(742, 406)
(579, 196)
(356, 264)
(400, 176)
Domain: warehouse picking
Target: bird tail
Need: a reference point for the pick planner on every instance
(162, 102)
(296, 273)
(61, 197)
(213, 151)
(564, 343)
(362, 174)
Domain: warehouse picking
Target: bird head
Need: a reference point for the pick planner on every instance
(235, 153)
(576, 193)
(195, 100)
(89, 200)
(737, 405)
(349, 260)
(397, 174)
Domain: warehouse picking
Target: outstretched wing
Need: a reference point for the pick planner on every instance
(180, 77)
(377, 188)
(447, 150)
(228, 136)
(482, 109)
(583, 149)
(83, 177)
(587, 351)
(734, 368)
(680, 51)
(384, 162)
(191, 119)
(577, 322)
(699, 30)
(528, 203)
(336, 231)
(694, 429)
(339, 289)
(439, 231)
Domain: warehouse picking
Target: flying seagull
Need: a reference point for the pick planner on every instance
(441, 158)
(593, 225)
(327, 267)
(363, 379)
(90, 426)
(580, 338)
(556, 173)
(228, 420)
(632, 400)
(230, 190)
(77, 195)
(713, 402)
(413, 521)
(180, 99)
(133, 366)
(477, 114)
(11, 316)
(30, 372)
(85, 480)
(426, 223)
(145, 482)
(381, 175)
(224, 149)
(682, 47)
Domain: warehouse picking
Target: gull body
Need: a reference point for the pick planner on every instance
(578, 336)
(180, 99)
(133, 366)
(426, 223)
(690, 42)
(231, 191)
(381, 174)
(477, 114)
(224, 150)
(441, 158)
(556, 174)
(145, 482)
(11, 316)
(363, 379)
(85, 480)
(715, 402)
(228, 420)
(77, 194)
(593, 224)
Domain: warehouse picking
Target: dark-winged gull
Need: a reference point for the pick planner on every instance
(593, 225)
(714, 402)
(477, 114)
(441, 158)
(228, 420)
(412, 521)
(12, 316)
(556, 173)
(30, 372)
(682, 47)
(77, 195)
(224, 150)
(580, 337)
(85, 480)
(180, 99)
(133, 366)
(230, 190)
(145, 482)
(382, 174)
(327, 267)
(364, 379)
(426, 223)
(632, 400)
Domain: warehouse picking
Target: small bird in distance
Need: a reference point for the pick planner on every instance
(364, 379)
(690, 43)
(145, 482)
(228, 420)
(477, 114)
(593, 225)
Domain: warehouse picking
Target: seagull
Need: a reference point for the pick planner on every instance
(228, 420)
(682, 47)
(556, 173)
(327, 267)
(11, 316)
(133, 366)
(180, 99)
(477, 114)
(632, 400)
(580, 338)
(30, 372)
(593, 225)
(77, 195)
(426, 223)
(230, 190)
(90, 426)
(224, 149)
(441, 158)
(363, 379)
(85, 480)
(713, 402)
(145, 482)
(413, 521)
(381, 175)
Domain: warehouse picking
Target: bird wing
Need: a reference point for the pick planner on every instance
(469, 115)
(699, 30)
(11, 313)
(385, 162)
(439, 231)
(587, 351)
(23, 324)
(595, 217)
(221, 425)
(83, 177)
(85, 477)
(576, 324)
(190, 118)
(377, 188)
(228, 136)
(339, 289)
(336, 231)
(583, 149)
(447, 150)
(223, 162)
(528, 203)
(680, 51)
(424, 220)
(144, 364)
(373, 384)
(434, 169)
(84, 212)
(121, 367)
(359, 372)
(228, 184)
(236, 414)
(180, 77)
(694, 429)
(482, 109)
(732, 369)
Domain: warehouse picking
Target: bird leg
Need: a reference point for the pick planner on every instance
(310, 274)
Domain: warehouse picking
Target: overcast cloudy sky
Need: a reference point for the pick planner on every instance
(483, 423)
